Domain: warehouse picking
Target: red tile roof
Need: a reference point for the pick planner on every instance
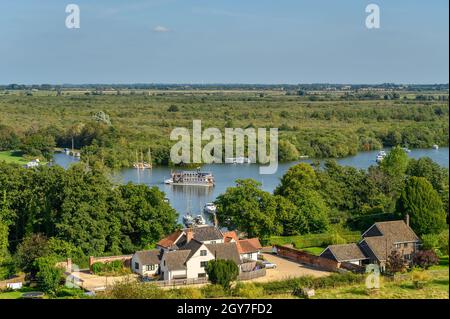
(169, 241)
(230, 235)
(249, 245)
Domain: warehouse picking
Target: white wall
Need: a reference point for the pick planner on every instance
(217, 241)
(193, 265)
(142, 270)
(174, 274)
(252, 256)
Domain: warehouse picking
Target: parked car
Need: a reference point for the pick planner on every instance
(269, 265)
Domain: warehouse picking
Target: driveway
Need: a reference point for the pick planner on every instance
(93, 282)
(287, 269)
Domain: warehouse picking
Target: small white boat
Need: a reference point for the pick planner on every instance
(210, 208)
(199, 220)
(237, 160)
(168, 181)
(380, 156)
(188, 220)
(436, 147)
(407, 150)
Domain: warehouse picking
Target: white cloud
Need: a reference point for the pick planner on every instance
(160, 28)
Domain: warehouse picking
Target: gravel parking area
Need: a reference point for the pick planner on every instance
(287, 269)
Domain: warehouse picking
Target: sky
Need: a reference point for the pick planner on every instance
(224, 41)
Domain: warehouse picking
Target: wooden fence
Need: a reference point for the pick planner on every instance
(179, 282)
(252, 274)
(197, 281)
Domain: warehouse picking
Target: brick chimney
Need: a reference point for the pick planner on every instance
(407, 219)
(189, 235)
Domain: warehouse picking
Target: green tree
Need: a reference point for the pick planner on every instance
(297, 177)
(287, 152)
(143, 216)
(222, 272)
(30, 249)
(48, 275)
(394, 165)
(290, 218)
(299, 185)
(424, 206)
(36, 144)
(248, 208)
(3, 241)
(435, 174)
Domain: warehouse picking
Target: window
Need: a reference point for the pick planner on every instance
(203, 263)
(405, 245)
(213, 242)
(150, 267)
(202, 275)
(203, 252)
(136, 266)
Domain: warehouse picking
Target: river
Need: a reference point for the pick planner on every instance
(193, 198)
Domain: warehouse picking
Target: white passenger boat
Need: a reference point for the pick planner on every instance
(192, 178)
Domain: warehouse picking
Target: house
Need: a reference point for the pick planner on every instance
(146, 262)
(33, 163)
(377, 244)
(350, 253)
(249, 249)
(191, 259)
(204, 234)
(185, 253)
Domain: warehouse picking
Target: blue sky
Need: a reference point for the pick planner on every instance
(223, 41)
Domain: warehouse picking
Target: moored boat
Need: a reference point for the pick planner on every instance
(188, 220)
(192, 178)
(210, 208)
(380, 156)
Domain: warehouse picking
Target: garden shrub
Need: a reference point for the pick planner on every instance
(185, 293)
(248, 290)
(115, 266)
(332, 281)
(430, 242)
(443, 242)
(213, 291)
(419, 278)
(425, 259)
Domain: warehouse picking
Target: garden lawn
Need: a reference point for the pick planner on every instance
(314, 250)
(12, 157)
(11, 295)
(313, 240)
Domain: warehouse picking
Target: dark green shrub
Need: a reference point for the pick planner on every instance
(222, 272)
(98, 267)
